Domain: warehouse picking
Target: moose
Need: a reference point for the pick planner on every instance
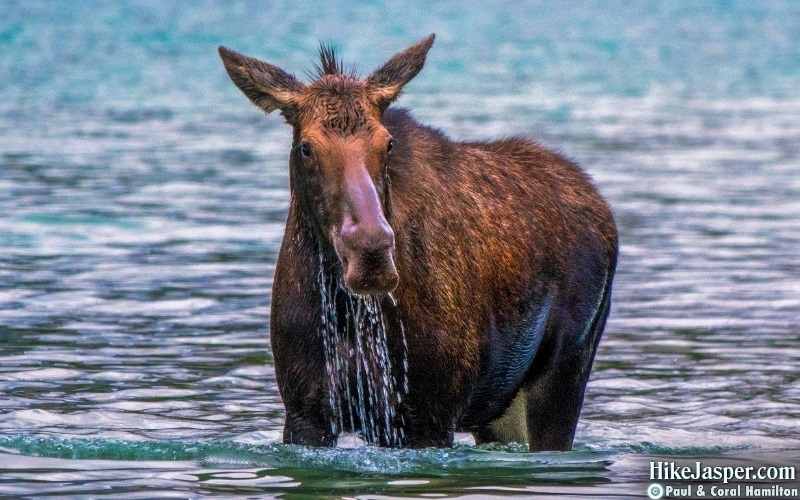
(491, 263)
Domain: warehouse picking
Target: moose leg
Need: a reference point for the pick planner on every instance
(304, 390)
(307, 431)
(308, 411)
(555, 396)
(428, 431)
(554, 405)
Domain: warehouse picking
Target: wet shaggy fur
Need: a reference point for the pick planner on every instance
(505, 254)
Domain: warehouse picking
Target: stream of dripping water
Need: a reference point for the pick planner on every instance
(357, 344)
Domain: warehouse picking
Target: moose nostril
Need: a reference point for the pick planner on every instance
(383, 239)
(368, 238)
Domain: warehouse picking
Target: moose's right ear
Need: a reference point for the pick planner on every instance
(267, 86)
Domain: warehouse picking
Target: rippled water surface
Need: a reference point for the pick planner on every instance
(142, 203)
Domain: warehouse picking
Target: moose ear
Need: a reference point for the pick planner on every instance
(267, 86)
(387, 81)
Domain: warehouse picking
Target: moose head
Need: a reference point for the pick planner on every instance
(340, 154)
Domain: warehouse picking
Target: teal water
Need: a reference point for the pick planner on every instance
(142, 203)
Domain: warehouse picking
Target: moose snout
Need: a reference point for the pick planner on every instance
(368, 257)
(371, 236)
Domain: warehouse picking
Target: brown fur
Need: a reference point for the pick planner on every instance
(500, 256)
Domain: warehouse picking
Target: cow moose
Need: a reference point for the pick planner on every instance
(488, 264)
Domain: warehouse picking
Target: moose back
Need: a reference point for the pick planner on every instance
(487, 267)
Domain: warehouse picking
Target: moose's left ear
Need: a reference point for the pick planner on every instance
(385, 83)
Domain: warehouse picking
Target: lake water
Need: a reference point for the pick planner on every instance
(142, 203)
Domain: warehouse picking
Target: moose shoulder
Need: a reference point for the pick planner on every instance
(484, 268)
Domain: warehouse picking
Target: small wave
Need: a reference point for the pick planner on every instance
(649, 448)
(458, 460)
(106, 449)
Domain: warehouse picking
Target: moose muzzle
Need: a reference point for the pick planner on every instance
(366, 240)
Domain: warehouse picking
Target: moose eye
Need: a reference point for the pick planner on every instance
(390, 146)
(305, 149)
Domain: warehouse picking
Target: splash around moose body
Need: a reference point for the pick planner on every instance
(426, 286)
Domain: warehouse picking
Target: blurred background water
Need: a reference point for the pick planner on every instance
(142, 203)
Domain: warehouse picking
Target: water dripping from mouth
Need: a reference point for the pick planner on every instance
(357, 353)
